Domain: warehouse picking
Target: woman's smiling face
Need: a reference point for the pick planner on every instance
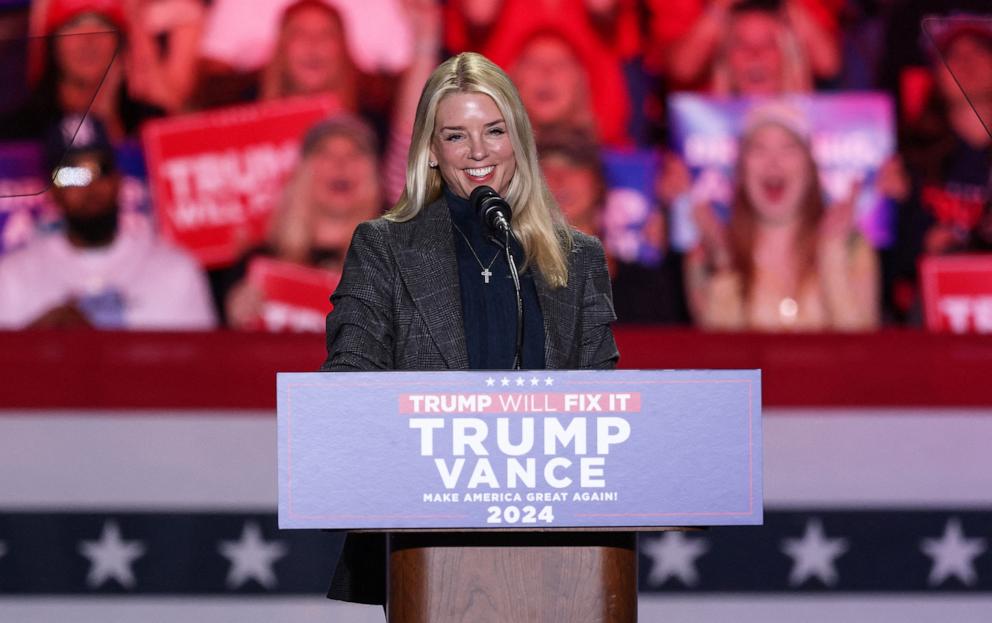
(471, 144)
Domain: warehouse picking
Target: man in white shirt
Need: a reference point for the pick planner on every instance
(93, 273)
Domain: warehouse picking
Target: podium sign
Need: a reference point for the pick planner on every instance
(528, 450)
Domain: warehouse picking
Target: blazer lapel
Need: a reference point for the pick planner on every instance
(426, 257)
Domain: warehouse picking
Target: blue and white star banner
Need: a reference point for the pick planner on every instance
(119, 515)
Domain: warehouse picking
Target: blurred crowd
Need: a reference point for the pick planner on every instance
(596, 78)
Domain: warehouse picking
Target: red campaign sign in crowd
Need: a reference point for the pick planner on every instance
(294, 297)
(215, 176)
(957, 293)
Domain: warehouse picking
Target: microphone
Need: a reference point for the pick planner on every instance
(495, 214)
(492, 209)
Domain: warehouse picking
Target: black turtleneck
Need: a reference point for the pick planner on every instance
(489, 310)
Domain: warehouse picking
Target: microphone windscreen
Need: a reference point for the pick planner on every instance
(491, 208)
(479, 195)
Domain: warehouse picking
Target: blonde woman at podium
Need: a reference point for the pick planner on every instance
(473, 268)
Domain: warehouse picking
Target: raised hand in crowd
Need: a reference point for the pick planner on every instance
(820, 45)
(163, 74)
(424, 17)
(941, 239)
(690, 57)
(847, 267)
(710, 278)
(714, 241)
(243, 306)
(893, 179)
(425, 23)
(837, 224)
(712, 284)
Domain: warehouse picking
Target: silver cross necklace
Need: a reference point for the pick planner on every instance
(486, 273)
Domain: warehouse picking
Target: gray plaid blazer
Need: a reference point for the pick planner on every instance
(398, 307)
(398, 304)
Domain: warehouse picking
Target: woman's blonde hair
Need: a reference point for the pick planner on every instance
(537, 221)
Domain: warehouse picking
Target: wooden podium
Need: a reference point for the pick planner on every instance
(517, 496)
(539, 577)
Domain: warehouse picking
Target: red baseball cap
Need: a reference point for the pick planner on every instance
(61, 12)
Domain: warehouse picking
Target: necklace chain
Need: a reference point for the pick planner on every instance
(486, 273)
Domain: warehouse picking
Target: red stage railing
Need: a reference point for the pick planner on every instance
(92, 369)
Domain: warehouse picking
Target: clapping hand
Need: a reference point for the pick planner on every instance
(838, 224)
(425, 24)
(892, 180)
(244, 306)
(713, 236)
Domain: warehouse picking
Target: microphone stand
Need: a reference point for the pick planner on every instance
(518, 354)
(495, 213)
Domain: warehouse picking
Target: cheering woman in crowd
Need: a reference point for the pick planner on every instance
(425, 288)
(335, 185)
(785, 261)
